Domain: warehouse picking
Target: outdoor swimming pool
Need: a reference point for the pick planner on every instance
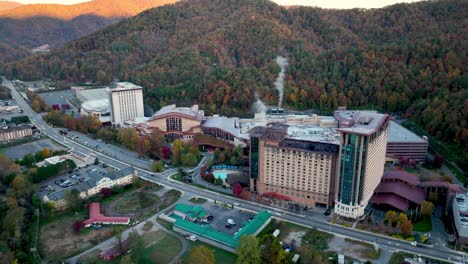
(222, 171)
(222, 174)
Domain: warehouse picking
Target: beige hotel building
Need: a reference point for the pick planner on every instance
(285, 160)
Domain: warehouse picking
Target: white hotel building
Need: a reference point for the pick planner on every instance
(126, 102)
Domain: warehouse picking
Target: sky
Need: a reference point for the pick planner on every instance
(320, 3)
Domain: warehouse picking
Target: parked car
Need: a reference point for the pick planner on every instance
(327, 212)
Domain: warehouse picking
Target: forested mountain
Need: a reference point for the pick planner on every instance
(29, 26)
(407, 58)
(6, 5)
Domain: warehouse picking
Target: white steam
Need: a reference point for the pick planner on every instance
(279, 83)
(259, 106)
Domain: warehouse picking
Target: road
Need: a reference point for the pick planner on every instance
(118, 161)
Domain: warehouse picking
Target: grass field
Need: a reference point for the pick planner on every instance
(424, 225)
(135, 202)
(162, 250)
(221, 256)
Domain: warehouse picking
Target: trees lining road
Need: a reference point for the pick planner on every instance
(120, 160)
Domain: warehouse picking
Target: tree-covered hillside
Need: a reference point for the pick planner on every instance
(407, 58)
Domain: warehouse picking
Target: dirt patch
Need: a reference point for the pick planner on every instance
(59, 241)
(296, 236)
(355, 250)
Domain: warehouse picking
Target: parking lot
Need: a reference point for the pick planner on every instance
(221, 215)
(70, 178)
(18, 152)
(61, 97)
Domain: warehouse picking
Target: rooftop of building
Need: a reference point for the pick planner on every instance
(15, 128)
(123, 86)
(95, 216)
(94, 178)
(91, 94)
(398, 133)
(314, 133)
(191, 112)
(227, 124)
(401, 175)
(206, 231)
(99, 105)
(360, 122)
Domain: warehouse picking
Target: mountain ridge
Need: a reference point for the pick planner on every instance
(7, 5)
(405, 58)
(103, 8)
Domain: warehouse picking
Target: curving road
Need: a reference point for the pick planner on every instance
(124, 159)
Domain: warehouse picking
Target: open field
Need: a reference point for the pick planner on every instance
(221, 256)
(160, 248)
(58, 240)
(135, 202)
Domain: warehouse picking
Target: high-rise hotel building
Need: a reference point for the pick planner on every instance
(125, 102)
(320, 164)
(296, 162)
(360, 165)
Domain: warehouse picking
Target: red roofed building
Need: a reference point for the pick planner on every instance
(95, 217)
(399, 190)
(115, 251)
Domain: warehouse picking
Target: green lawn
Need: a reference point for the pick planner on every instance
(424, 225)
(221, 256)
(165, 224)
(163, 250)
(198, 200)
(135, 202)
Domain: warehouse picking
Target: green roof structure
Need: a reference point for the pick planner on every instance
(193, 212)
(249, 228)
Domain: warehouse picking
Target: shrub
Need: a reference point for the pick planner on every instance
(78, 226)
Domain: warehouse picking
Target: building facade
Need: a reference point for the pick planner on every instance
(302, 171)
(13, 133)
(93, 186)
(125, 102)
(177, 122)
(404, 144)
(360, 166)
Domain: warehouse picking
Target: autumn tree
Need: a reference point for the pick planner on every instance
(177, 151)
(391, 216)
(156, 141)
(237, 190)
(272, 251)
(157, 166)
(46, 153)
(72, 197)
(426, 208)
(406, 227)
(128, 137)
(143, 146)
(201, 254)
(248, 251)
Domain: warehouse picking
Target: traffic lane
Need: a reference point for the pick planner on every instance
(351, 233)
(396, 245)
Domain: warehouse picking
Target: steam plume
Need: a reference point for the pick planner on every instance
(279, 83)
(259, 106)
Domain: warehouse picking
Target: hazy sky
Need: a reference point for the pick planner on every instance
(320, 3)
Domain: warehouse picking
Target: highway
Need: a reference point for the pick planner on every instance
(123, 159)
